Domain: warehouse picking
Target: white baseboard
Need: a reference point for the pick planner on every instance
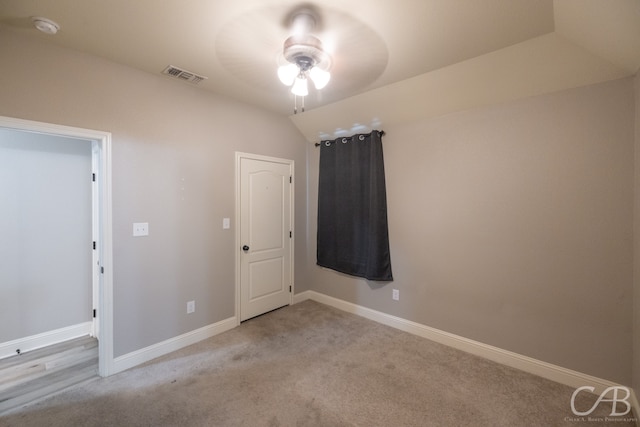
(143, 355)
(524, 363)
(44, 339)
(302, 296)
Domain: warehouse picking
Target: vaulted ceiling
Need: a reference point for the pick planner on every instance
(393, 61)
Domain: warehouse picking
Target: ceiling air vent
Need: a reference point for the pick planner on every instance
(185, 75)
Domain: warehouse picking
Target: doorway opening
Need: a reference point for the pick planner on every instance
(99, 144)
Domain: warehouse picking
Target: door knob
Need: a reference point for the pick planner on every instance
(245, 248)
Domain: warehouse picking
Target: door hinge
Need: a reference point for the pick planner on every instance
(102, 270)
(289, 289)
(93, 177)
(290, 234)
(290, 179)
(94, 246)
(94, 313)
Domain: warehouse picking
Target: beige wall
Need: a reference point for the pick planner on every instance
(513, 225)
(173, 166)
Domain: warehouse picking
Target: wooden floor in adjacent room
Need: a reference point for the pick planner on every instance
(30, 376)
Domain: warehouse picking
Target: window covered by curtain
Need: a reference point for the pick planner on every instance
(353, 235)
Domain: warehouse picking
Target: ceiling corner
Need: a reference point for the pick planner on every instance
(609, 29)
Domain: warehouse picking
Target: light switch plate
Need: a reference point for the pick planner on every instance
(140, 229)
(226, 223)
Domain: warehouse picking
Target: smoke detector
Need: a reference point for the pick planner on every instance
(45, 25)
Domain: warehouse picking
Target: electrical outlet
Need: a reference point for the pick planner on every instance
(140, 229)
(395, 294)
(191, 307)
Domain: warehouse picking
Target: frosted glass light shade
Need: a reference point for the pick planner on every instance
(300, 87)
(288, 73)
(319, 77)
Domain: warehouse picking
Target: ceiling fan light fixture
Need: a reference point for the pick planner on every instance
(319, 77)
(288, 73)
(305, 56)
(300, 87)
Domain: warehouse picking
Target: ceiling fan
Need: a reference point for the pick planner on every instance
(305, 55)
(319, 43)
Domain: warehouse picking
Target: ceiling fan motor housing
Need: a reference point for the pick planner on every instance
(306, 52)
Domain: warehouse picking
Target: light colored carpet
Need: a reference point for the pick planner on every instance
(312, 365)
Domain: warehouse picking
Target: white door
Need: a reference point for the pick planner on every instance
(265, 234)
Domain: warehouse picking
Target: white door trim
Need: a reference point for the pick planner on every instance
(237, 241)
(102, 219)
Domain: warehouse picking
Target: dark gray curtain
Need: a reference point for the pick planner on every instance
(353, 235)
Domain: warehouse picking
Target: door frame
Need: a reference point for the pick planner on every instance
(237, 240)
(101, 202)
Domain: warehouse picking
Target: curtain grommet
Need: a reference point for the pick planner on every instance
(345, 140)
(361, 137)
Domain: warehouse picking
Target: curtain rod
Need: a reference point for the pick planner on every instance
(381, 132)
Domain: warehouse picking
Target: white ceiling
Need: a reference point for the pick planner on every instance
(393, 61)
